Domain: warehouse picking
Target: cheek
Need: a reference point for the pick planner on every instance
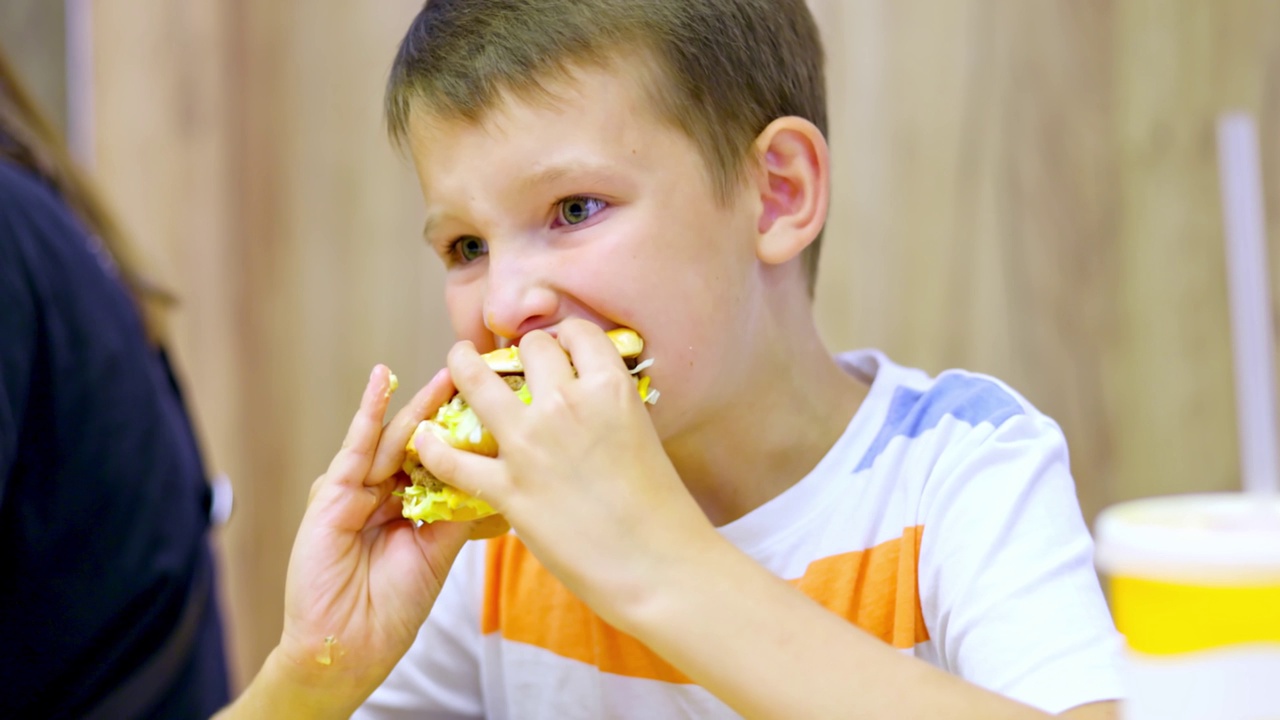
(465, 304)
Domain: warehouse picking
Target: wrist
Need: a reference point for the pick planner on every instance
(285, 687)
(676, 582)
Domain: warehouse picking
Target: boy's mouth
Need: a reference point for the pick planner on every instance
(502, 341)
(428, 499)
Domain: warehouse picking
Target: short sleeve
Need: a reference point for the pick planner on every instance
(439, 678)
(1008, 587)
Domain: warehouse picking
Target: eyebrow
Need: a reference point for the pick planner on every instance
(552, 173)
(549, 174)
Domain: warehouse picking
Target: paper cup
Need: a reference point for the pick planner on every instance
(1195, 589)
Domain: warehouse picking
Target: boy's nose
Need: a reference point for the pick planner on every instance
(517, 300)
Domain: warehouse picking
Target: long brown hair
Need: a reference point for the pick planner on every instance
(29, 139)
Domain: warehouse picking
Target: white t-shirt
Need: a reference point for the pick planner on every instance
(943, 521)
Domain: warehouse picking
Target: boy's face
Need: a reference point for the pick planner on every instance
(591, 207)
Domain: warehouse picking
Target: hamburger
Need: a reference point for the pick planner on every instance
(426, 498)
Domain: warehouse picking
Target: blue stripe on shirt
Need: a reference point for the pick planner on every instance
(967, 398)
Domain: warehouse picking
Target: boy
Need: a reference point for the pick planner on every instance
(661, 165)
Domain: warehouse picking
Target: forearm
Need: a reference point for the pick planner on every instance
(768, 651)
(281, 689)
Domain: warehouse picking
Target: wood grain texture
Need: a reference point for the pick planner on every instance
(1029, 189)
(33, 35)
(163, 158)
(335, 272)
(1022, 187)
(243, 145)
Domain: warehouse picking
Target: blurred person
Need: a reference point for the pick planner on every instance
(107, 580)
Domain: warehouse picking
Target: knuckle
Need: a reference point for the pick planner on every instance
(359, 452)
(439, 459)
(611, 384)
(522, 447)
(555, 401)
(315, 488)
(455, 359)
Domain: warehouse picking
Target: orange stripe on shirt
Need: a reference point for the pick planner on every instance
(874, 589)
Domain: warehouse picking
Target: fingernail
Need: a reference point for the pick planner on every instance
(420, 440)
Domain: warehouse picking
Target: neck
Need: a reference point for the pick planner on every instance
(768, 451)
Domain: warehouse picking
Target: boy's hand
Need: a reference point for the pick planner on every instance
(361, 578)
(581, 473)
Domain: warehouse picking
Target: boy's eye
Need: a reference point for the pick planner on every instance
(470, 248)
(576, 210)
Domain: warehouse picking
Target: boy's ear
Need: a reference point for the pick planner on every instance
(794, 186)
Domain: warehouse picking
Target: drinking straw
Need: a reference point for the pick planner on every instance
(1240, 178)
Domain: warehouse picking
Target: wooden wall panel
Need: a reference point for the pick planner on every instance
(1022, 187)
(162, 114)
(336, 275)
(975, 185)
(1170, 367)
(243, 145)
(33, 35)
(1029, 189)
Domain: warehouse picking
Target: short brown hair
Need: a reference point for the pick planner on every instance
(725, 68)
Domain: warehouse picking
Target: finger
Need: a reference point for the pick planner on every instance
(546, 365)
(589, 348)
(353, 508)
(351, 465)
(390, 507)
(489, 527)
(476, 475)
(389, 457)
(439, 544)
(486, 393)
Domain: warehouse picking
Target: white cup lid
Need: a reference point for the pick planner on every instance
(1214, 538)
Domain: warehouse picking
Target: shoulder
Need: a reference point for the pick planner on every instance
(44, 244)
(955, 395)
(955, 406)
(31, 212)
(19, 193)
(23, 193)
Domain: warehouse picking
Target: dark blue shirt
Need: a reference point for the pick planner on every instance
(103, 499)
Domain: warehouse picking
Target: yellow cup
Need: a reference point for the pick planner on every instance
(1195, 589)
